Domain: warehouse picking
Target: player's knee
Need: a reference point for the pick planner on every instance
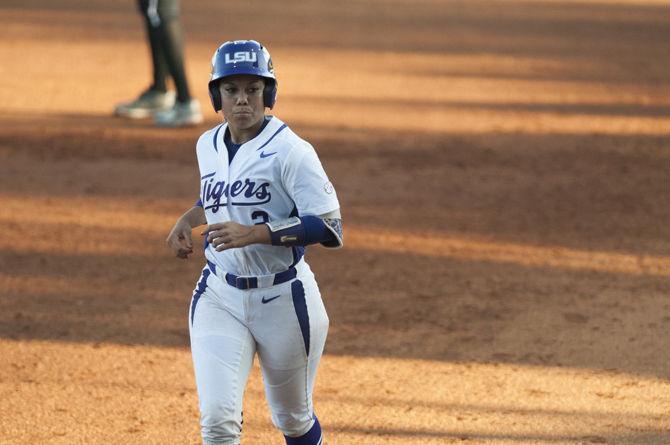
(207, 441)
(312, 436)
(219, 434)
(293, 424)
(218, 425)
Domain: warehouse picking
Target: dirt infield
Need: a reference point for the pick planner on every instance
(504, 173)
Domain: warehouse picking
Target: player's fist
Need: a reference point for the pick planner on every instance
(179, 240)
(229, 235)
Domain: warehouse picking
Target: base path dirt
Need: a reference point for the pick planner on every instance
(504, 175)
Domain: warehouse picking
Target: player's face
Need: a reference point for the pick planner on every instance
(242, 102)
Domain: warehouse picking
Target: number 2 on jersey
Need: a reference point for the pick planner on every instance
(262, 215)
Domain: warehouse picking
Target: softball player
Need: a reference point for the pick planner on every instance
(264, 197)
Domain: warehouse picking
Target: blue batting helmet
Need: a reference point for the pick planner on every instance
(242, 57)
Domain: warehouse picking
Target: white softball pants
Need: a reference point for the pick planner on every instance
(286, 325)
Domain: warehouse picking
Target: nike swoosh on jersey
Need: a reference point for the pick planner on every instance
(267, 155)
(267, 300)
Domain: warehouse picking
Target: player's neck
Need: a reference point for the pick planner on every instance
(243, 135)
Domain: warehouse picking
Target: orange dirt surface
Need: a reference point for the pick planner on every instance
(503, 169)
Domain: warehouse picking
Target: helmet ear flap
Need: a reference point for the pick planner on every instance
(215, 95)
(270, 93)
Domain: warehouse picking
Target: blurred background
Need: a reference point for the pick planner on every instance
(502, 167)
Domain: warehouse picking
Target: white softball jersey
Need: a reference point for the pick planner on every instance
(271, 177)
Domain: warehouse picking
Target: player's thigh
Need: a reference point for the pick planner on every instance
(292, 326)
(222, 349)
(221, 345)
(290, 356)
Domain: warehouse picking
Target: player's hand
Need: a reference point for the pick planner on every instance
(230, 235)
(179, 240)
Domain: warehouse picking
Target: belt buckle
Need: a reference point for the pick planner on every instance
(239, 283)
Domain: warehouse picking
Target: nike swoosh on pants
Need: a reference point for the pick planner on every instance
(267, 300)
